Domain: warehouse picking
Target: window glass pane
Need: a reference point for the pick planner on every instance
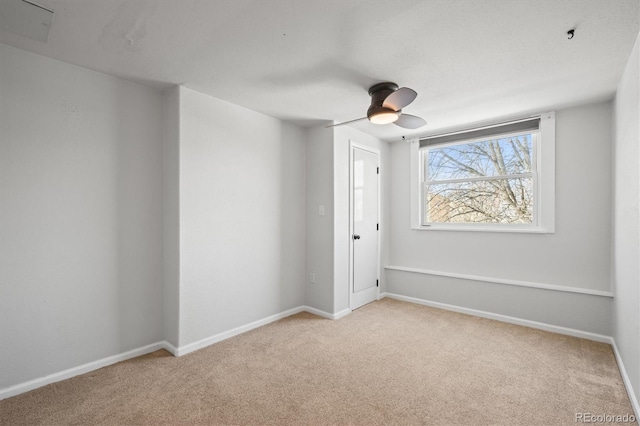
(496, 157)
(486, 201)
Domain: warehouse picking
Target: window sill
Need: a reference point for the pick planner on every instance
(532, 230)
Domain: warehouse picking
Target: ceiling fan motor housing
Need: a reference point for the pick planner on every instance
(379, 93)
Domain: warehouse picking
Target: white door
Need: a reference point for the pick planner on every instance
(364, 226)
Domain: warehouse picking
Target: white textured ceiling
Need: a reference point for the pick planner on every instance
(310, 61)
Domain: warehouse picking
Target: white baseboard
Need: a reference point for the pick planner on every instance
(533, 324)
(318, 312)
(81, 369)
(342, 313)
(183, 350)
(169, 348)
(625, 379)
(325, 314)
(504, 318)
(176, 351)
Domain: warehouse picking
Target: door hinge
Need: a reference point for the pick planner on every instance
(377, 170)
(377, 285)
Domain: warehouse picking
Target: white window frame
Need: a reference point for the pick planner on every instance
(543, 181)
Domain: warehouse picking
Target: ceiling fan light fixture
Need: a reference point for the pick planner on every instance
(386, 116)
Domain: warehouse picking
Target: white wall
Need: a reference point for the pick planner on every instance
(242, 216)
(626, 242)
(319, 244)
(577, 255)
(80, 216)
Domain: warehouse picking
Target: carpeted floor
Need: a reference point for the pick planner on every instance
(389, 362)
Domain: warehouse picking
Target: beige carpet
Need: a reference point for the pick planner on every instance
(389, 362)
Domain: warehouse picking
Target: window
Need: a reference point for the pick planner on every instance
(494, 178)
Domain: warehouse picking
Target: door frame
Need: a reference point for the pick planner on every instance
(352, 146)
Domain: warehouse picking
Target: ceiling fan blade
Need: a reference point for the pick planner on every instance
(400, 98)
(345, 122)
(409, 121)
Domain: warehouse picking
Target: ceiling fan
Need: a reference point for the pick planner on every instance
(387, 101)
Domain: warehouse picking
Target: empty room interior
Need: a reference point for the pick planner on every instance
(319, 212)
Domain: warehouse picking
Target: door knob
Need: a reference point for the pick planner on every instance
(356, 236)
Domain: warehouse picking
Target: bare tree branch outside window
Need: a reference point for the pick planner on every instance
(488, 181)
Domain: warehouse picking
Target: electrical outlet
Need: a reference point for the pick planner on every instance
(312, 277)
